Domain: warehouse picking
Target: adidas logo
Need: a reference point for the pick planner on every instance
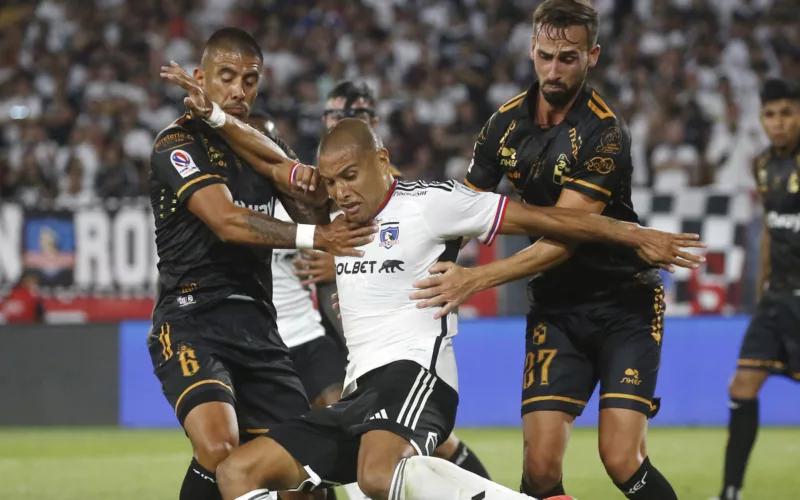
(380, 415)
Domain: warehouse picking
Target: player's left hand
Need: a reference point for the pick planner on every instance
(667, 250)
(198, 102)
(315, 267)
(452, 286)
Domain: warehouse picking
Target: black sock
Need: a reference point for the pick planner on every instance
(199, 484)
(330, 494)
(647, 484)
(742, 430)
(467, 460)
(554, 491)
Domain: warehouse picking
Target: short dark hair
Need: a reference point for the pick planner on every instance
(775, 89)
(561, 14)
(352, 92)
(236, 39)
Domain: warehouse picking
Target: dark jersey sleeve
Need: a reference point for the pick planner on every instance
(286, 148)
(604, 155)
(485, 172)
(180, 161)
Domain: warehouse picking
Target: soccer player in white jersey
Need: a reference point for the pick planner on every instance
(401, 386)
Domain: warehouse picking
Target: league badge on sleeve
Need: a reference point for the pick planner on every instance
(183, 163)
(389, 235)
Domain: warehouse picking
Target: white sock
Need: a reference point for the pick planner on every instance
(354, 492)
(430, 478)
(262, 494)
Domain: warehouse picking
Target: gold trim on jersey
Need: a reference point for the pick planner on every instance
(761, 363)
(628, 396)
(600, 108)
(196, 384)
(166, 343)
(472, 186)
(554, 398)
(589, 185)
(513, 102)
(195, 181)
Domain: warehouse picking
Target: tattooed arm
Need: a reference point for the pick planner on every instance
(233, 224)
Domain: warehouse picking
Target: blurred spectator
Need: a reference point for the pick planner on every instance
(675, 162)
(22, 304)
(79, 77)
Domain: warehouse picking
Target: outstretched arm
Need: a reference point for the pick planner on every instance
(289, 176)
(233, 224)
(575, 218)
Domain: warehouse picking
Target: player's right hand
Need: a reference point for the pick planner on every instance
(341, 238)
(667, 250)
(198, 102)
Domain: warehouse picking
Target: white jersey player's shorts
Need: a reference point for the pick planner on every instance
(402, 397)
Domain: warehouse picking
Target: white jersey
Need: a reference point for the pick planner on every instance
(420, 223)
(298, 319)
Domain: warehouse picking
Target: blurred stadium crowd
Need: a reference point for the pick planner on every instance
(81, 100)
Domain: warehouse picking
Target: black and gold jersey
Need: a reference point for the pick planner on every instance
(196, 268)
(779, 189)
(588, 152)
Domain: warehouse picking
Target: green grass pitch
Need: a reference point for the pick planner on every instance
(76, 464)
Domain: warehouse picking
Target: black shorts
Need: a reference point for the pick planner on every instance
(402, 397)
(617, 342)
(229, 353)
(772, 341)
(320, 364)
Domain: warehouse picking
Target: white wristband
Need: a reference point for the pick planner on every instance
(305, 236)
(217, 117)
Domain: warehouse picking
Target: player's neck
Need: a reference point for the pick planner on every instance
(549, 115)
(386, 193)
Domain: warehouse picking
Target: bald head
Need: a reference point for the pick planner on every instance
(355, 168)
(349, 134)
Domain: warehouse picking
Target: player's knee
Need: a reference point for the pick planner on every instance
(232, 474)
(375, 480)
(212, 451)
(746, 384)
(621, 463)
(542, 471)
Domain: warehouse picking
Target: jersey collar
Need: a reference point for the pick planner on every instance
(575, 113)
(388, 197)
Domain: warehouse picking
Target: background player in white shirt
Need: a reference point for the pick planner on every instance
(401, 386)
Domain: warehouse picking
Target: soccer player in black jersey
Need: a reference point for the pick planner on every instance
(772, 342)
(214, 343)
(596, 311)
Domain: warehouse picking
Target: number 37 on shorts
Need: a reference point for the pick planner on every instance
(567, 355)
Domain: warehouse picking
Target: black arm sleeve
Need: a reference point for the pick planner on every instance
(485, 172)
(602, 160)
(180, 160)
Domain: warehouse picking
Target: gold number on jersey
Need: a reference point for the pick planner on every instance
(189, 364)
(543, 360)
(793, 186)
